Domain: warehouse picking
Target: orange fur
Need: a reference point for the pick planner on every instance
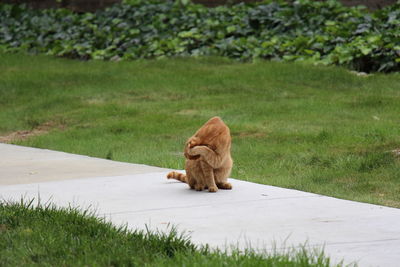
(208, 158)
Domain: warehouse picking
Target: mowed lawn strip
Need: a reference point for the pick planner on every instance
(317, 129)
(50, 236)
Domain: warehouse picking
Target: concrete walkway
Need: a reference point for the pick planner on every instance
(253, 215)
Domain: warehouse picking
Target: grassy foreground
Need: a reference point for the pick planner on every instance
(49, 236)
(322, 130)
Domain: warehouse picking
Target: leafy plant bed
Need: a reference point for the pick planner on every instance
(304, 30)
(50, 236)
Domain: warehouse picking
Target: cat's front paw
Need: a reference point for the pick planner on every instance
(197, 150)
(193, 141)
(199, 187)
(188, 153)
(212, 189)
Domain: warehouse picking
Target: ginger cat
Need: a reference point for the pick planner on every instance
(208, 158)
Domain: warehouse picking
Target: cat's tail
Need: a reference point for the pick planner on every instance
(178, 176)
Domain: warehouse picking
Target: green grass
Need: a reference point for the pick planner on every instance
(322, 130)
(49, 236)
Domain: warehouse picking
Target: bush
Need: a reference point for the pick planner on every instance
(304, 30)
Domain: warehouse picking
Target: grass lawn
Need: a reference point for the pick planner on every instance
(48, 236)
(317, 129)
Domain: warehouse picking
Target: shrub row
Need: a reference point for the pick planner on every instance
(303, 30)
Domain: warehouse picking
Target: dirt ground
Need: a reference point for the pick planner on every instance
(26, 134)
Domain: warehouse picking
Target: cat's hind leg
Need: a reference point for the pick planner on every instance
(221, 176)
(224, 185)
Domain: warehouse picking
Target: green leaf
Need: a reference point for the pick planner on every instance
(365, 50)
(374, 38)
(230, 29)
(330, 23)
(184, 2)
